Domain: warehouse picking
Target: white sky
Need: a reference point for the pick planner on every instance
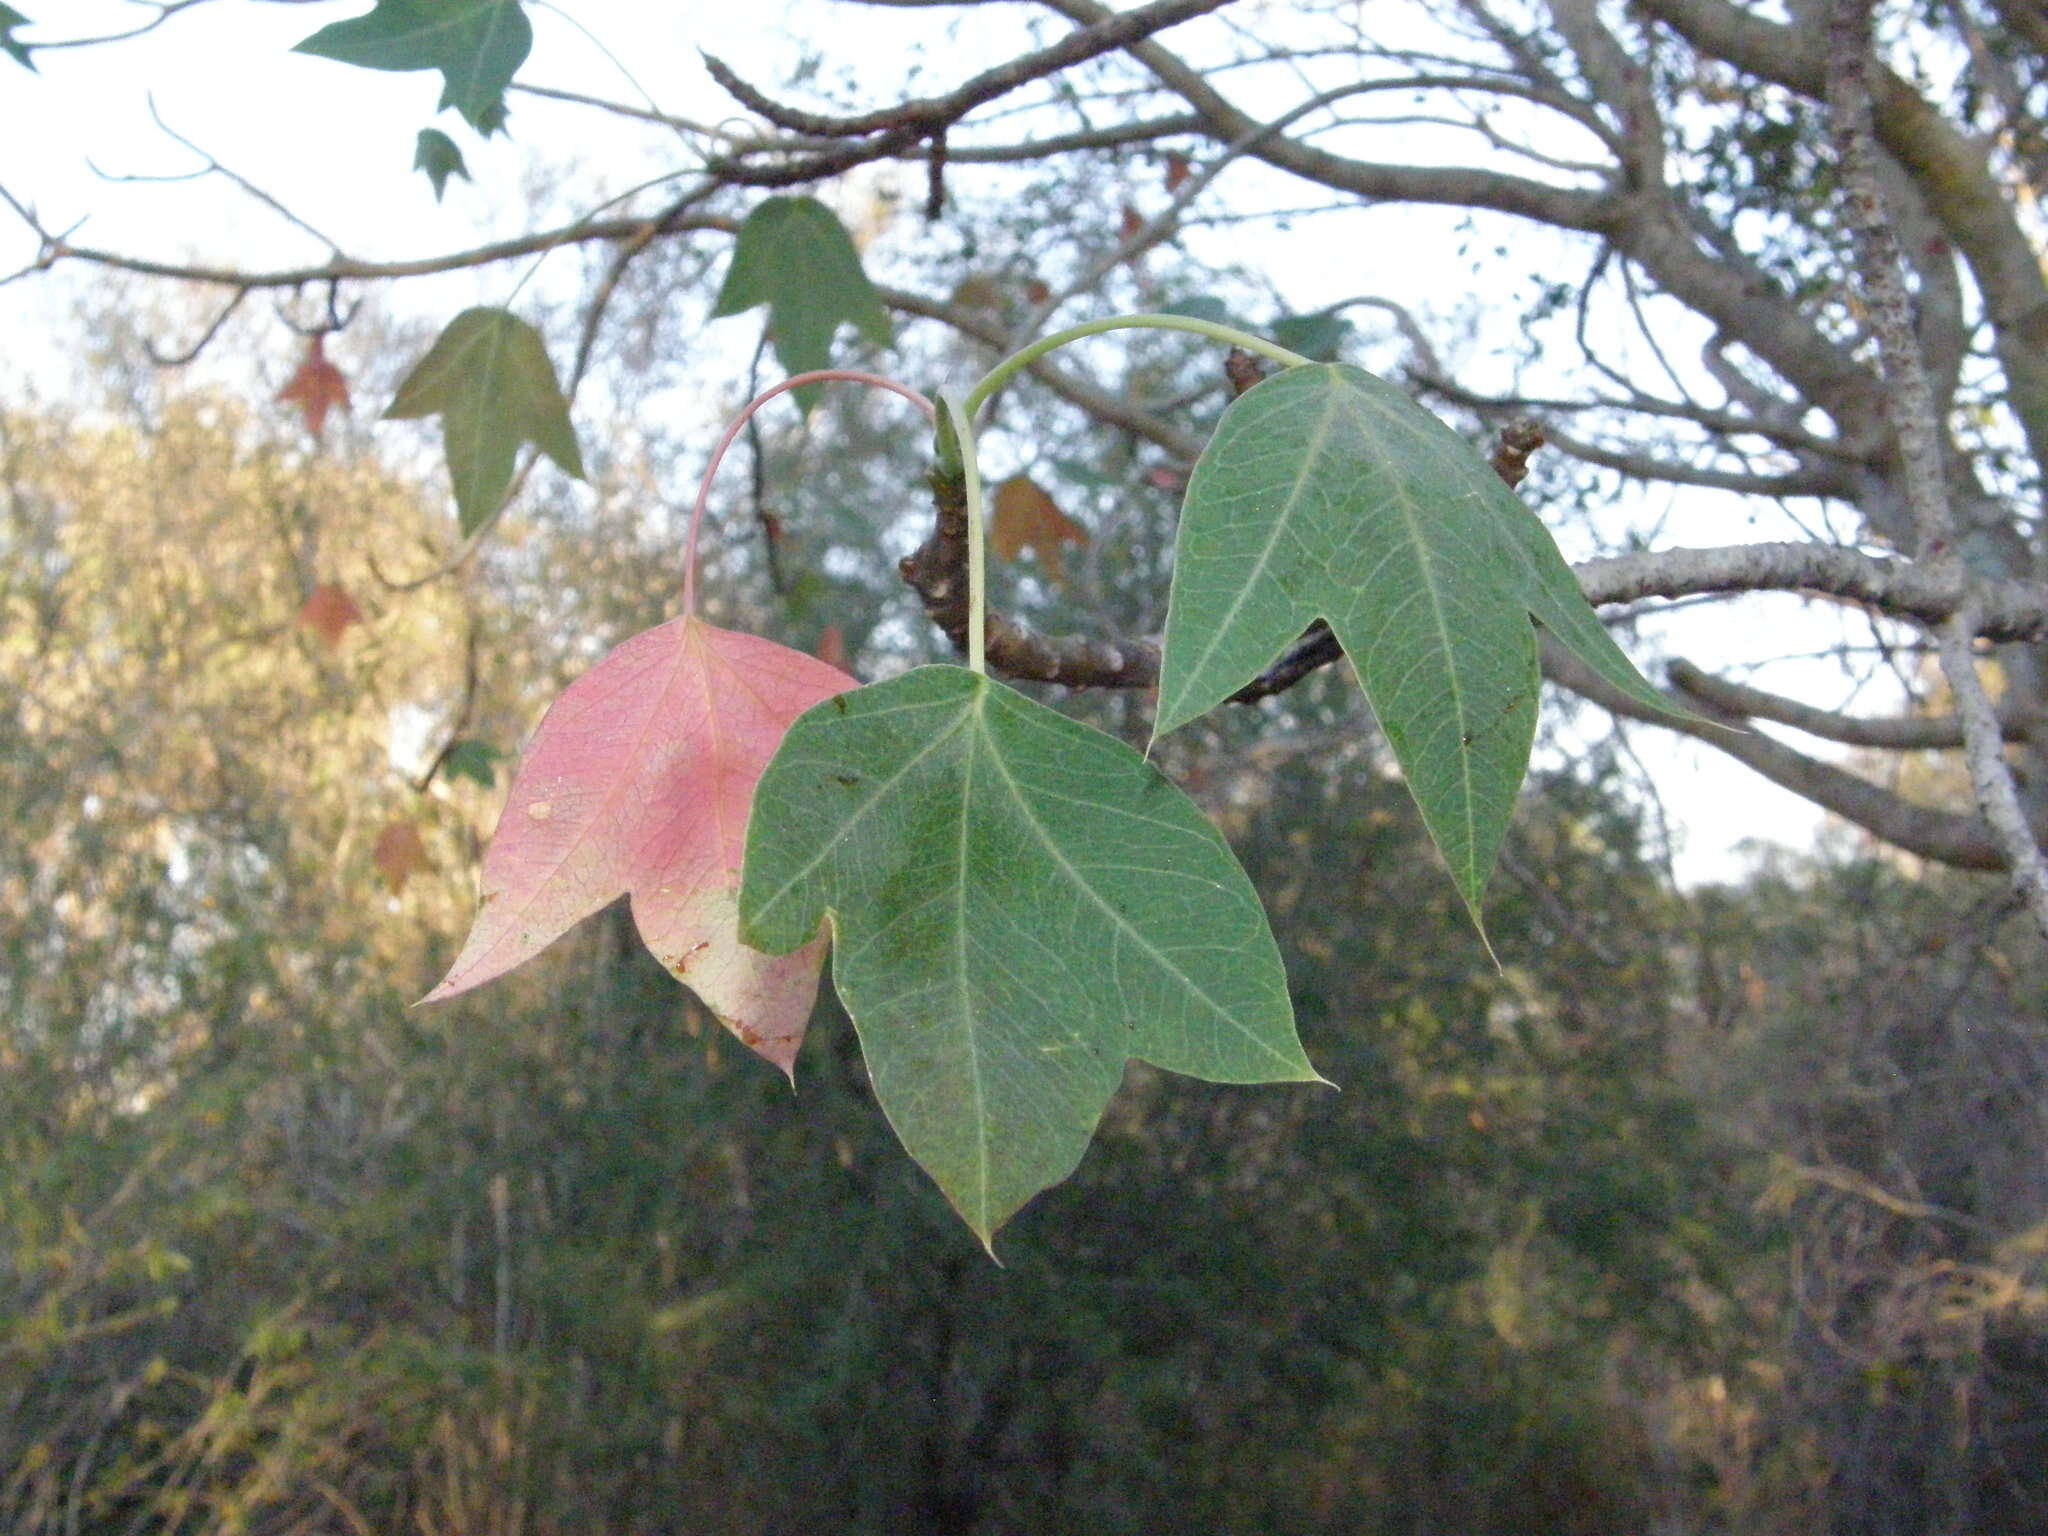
(336, 143)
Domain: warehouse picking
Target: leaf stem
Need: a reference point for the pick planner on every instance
(977, 535)
(738, 425)
(1017, 362)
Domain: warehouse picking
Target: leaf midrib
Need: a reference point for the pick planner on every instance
(1118, 919)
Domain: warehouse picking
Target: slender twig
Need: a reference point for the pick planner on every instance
(164, 13)
(215, 167)
(180, 359)
(881, 135)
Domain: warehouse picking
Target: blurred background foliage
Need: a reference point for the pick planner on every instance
(1708, 1211)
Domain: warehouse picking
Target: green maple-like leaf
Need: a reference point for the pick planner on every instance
(796, 258)
(477, 45)
(1327, 493)
(489, 379)
(13, 47)
(1018, 904)
(476, 761)
(439, 157)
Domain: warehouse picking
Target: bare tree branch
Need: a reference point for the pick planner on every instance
(878, 135)
(1902, 733)
(1911, 405)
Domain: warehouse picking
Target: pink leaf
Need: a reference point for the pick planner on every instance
(639, 781)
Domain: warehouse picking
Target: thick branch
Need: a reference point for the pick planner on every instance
(2009, 610)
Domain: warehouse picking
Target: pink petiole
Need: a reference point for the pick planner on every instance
(818, 376)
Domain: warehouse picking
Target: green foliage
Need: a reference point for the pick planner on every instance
(476, 761)
(794, 256)
(477, 45)
(439, 157)
(488, 378)
(1316, 337)
(11, 45)
(1327, 493)
(1019, 903)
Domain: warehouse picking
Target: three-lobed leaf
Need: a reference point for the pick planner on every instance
(488, 378)
(793, 255)
(1328, 493)
(637, 783)
(477, 45)
(437, 155)
(1019, 904)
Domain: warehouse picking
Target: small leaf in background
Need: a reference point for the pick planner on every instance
(10, 45)
(1177, 172)
(832, 647)
(400, 854)
(1327, 493)
(979, 292)
(1316, 337)
(438, 156)
(1168, 478)
(476, 761)
(1130, 224)
(793, 255)
(1019, 904)
(1203, 306)
(328, 611)
(489, 379)
(1084, 474)
(316, 386)
(637, 783)
(1025, 517)
(477, 45)
(1036, 291)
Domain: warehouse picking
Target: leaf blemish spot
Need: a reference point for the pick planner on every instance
(541, 810)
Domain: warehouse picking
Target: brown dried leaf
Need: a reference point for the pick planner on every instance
(1027, 518)
(317, 386)
(400, 854)
(329, 611)
(832, 647)
(1177, 172)
(982, 293)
